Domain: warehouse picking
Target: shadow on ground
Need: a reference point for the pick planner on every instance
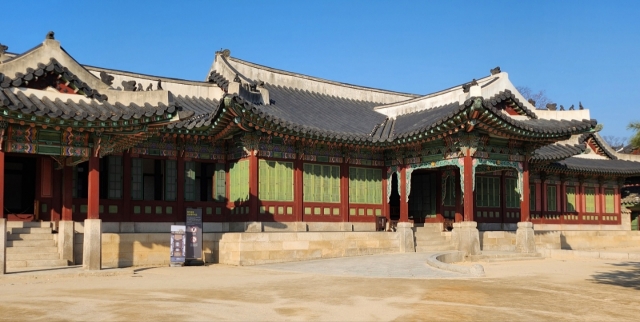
(627, 276)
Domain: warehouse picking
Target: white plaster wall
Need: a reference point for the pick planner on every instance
(298, 81)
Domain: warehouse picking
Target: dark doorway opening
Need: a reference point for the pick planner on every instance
(394, 201)
(423, 196)
(20, 185)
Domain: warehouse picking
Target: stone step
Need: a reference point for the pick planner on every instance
(424, 249)
(430, 228)
(32, 250)
(503, 256)
(37, 263)
(32, 256)
(28, 224)
(433, 242)
(423, 237)
(30, 236)
(509, 259)
(34, 230)
(30, 243)
(431, 233)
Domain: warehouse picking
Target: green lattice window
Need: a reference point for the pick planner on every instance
(154, 179)
(570, 205)
(450, 191)
(275, 180)
(487, 192)
(321, 183)
(365, 185)
(590, 199)
(609, 201)
(552, 199)
(512, 194)
(189, 181)
(220, 179)
(114, 185)
(171, 180)
(634, 221)
(239, 177)
(137, 190)
(532, 197)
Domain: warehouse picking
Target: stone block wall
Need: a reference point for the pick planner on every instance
(149, 249)
(506, 240)
(584, 240)
(262, 248)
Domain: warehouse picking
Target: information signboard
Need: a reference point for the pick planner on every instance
(178, 245)
(194, 233)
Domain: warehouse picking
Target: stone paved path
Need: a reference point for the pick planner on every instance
(409, 265)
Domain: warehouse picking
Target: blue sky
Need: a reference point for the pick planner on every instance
(585, 51)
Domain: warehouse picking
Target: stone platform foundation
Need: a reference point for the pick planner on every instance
(468, 238)
(525, 239)
(405, 232)
(65, 241)
(92, 244)
(3, 246)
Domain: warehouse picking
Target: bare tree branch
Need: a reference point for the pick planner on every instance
(615, 142)
(540, 97)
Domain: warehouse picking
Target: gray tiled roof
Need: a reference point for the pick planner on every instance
(203, 109)
(555, 152)
(32, 74)
(90, 111)
(596, 166)
(604, 146)
(321, 112)
(416, 122)
(218, 79)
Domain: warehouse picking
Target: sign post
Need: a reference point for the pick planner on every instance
(178, 245)
(194, 234)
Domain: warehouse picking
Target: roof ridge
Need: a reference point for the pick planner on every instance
(318, 79)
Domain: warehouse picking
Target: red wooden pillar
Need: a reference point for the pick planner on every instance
(404, 204)
(253, 186)
(344, 191)
(93, 200)
(468, 187)
(298, 189)
(127, 210)
(524, 204)
(67, 193)
(181, 212)
(2, 183)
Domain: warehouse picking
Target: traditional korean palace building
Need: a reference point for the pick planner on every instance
(259, 147)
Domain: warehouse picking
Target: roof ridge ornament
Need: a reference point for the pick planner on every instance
(3, 49)
(50, 35)
(552, 106)
(532, 102)
(467, 87)
(495, 71)
(106, 78)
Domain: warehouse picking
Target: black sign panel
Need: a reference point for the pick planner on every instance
(194, 233)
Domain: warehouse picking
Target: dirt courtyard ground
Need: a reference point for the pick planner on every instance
(586, 290)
